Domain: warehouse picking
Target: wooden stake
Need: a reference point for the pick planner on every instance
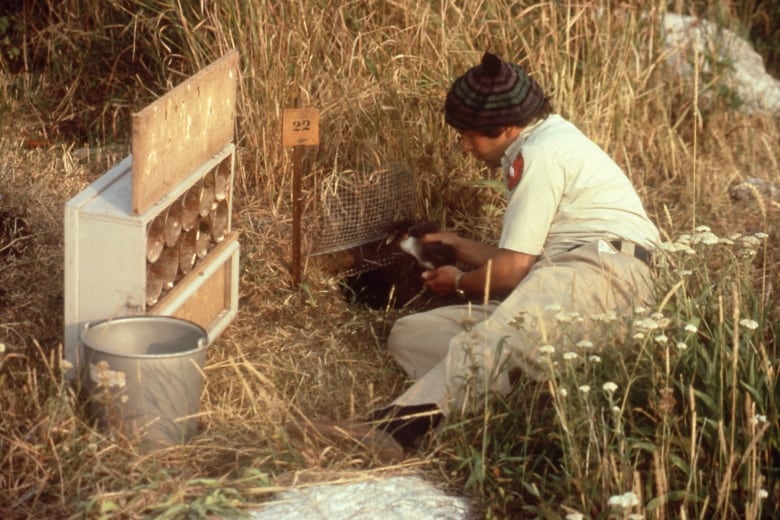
(295, 267)
(300, 127)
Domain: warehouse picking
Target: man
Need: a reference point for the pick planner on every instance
(575, 243)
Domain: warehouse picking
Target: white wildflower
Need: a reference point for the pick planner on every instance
(553, 307)
(606, 317)
(585, 344)
(616, 410)
(684, 272)
(749, 324)
(707, 238)
(646, 324)
(760, 235)
(762, 494)
(676, 247)
(624, 501)
(2, 348)
(735, 236)
(594, 359)
(702, 229)
(65, 365)
(584, 389)
(609, 387)
(547, 349)
(661, 339)
(750, 241)
(684, 239)
(656, 321)
(664, 322)
(758, 419)
(570, 356)
(726, 241)
(574, 516)
(681, 345)
(691, 328)
(640, 310)
(563, 392)
(639, 336)
(563, 317)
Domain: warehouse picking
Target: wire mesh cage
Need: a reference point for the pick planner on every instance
(358, 208)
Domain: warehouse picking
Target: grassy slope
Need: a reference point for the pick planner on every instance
(378, 72)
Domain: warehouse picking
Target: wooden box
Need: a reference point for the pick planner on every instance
(153, 235)
(108, 272)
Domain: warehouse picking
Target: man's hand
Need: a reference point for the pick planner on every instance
(470, 252)
(507, 269)
(441, 280)
(445, 237)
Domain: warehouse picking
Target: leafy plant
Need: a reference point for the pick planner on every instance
(637, 428)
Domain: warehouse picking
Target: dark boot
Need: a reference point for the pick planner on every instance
(347, 437)
(407, 424)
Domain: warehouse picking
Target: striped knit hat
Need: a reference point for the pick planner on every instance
(491, 95)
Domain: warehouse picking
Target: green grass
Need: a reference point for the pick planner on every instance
(682, 412)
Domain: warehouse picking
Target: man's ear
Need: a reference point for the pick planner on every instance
(510, 132)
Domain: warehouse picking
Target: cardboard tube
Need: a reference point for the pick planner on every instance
(155, 238)
(188, 245)
(218, 222)
(206, 199)
(173, 224)
(222, 180)
(167, 266)
(190, 209)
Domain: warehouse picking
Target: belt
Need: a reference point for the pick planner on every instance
(632, 249)
(628, 248)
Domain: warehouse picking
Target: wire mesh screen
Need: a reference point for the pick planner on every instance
(357, 209)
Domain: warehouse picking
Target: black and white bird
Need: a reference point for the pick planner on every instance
(429, 255)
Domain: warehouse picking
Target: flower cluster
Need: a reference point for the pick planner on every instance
(625, 501)
(747, 244)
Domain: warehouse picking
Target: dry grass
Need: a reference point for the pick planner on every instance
(378, 71)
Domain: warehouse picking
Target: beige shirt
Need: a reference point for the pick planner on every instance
(571, 193)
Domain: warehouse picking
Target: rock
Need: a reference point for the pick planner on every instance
(753, 188)
(753, 84)
(390, 498)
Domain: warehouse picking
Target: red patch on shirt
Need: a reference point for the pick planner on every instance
(515, 173)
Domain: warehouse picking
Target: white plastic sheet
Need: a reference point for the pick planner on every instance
(402, 498)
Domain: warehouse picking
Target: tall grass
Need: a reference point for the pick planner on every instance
(687, 430)
(678, 419)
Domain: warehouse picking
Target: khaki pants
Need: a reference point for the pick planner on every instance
(458, 353)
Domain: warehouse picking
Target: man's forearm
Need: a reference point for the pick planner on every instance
(506, 270)
(474, 253)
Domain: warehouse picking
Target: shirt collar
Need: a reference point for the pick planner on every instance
(513, 150)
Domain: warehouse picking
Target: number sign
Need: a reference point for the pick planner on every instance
(300, 126)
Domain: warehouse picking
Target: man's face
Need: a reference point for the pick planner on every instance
(487, 149)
